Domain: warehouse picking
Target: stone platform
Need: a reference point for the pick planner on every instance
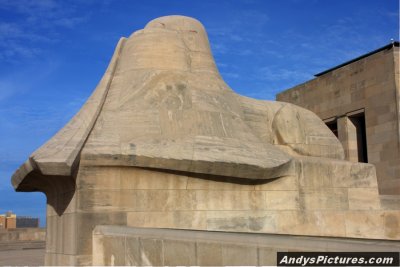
(19, 256)
(22, 234)
(116, 245)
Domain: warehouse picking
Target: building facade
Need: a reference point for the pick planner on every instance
(2, 221)
(8, 221)
(359, 101)
(11, 221)
(27, 222)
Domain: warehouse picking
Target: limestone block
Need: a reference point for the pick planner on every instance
(151, 251)
(60, 234)
(391, 220)
(283, 183)
(362, 175)
(132, 251)
(230, 200)
(59, 259)
(82, 260)
(363, 199)
(179, 253)
(205, 182)
(390, 202)
(177, 219)
(331, 223)
(365, 224)
(87, 222)
(209, 254)
(112, 251)
(239, 255)
(205, 248)
(296, 222)
(316, 173)
(145, 179)
(267, 256)
(282, 200)
(241, 221)
(99, 178)
(324, 199)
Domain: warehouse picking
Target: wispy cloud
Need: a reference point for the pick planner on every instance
(70, 22)
(233, 75)
(232, 36)
(25, 79)
(36, 22)
(29, 6)
(271, 73)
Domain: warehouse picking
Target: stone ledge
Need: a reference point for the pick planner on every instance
(122, 245)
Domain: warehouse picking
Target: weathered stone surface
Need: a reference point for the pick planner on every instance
(151, 253)
(165, 143)
(209, 254)
(201, 248)
(178, 253)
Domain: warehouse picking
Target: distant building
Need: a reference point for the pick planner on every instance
(2, 221)
(8, 220)
(360, 102)
(11, 221)
(27, 222)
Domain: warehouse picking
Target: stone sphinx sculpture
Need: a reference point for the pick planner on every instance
(163, 142)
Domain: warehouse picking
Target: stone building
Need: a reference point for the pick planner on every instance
(2, 221)
(8, 220)
(27, 222)
(359, 100)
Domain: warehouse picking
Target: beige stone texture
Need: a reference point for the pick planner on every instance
(132, 252)
(359, 222)
(209, 254)
(165, 143)
(201, 248)
(363, 199)
(22, 235)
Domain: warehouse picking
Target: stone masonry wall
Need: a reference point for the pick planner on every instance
(327, 198)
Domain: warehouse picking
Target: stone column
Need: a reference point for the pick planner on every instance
(347, 134)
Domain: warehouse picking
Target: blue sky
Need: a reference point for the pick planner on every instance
(53, 53)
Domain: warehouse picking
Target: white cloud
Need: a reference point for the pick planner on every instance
(282, 74)
(9, 30)
(70, 22)
(25, 79)
(37, 22)
(232, 75)
(32, 8)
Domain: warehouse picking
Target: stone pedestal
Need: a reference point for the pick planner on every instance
(113, 245)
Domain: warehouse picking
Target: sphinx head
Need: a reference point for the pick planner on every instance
(170, 43)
